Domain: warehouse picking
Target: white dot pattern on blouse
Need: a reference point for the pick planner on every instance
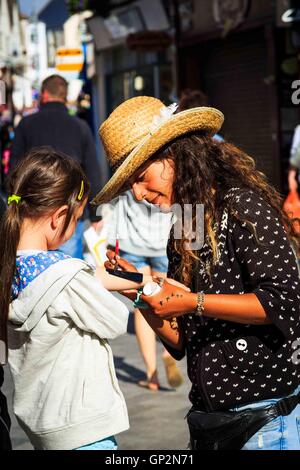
(221, 373)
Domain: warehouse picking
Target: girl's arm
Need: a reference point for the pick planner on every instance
(115, 283)
(111, 282)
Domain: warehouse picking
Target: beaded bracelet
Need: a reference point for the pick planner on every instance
(200, 304)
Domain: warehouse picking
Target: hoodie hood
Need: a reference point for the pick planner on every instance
(35, 297)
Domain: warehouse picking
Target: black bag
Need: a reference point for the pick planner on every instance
(230, 430)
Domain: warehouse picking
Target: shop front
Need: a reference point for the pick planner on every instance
(238, 55)
(150, 74)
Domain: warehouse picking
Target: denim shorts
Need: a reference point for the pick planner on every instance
(156, 263)
(109, 443)
(282, 433)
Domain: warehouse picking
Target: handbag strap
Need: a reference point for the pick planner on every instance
(285, 406)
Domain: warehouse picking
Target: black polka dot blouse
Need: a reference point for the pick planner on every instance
(231, 364)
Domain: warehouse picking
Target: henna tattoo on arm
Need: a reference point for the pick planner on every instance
(169, 297)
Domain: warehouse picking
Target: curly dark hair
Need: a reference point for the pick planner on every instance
(204, 171)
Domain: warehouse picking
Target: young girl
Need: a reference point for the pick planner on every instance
(59, 313)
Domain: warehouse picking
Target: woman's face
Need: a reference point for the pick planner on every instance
(154, 183)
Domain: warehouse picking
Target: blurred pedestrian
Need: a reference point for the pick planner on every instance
(294, 168)
(239, 326)
(292, 202)
(53, 126)
(143, 235)
(7, 136)
(2, 205)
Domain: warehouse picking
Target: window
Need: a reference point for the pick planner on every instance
(55, 39)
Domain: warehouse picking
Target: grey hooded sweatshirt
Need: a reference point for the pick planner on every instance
(66, 390)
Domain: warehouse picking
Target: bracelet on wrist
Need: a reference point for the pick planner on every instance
(200, 304)
(138, 302)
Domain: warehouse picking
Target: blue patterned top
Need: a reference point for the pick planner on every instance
(30, 266)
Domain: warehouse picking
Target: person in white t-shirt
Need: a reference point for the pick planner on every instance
(293, 175)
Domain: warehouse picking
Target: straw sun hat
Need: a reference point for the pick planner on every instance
(138, 128)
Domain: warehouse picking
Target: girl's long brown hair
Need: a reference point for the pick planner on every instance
(202, 163)
(45, 180)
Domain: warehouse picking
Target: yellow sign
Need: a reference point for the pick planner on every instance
(69, 60)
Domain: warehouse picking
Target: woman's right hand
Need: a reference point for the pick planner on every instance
(124, 266)
(122, 263)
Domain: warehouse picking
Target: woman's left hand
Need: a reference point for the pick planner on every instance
(171, 301)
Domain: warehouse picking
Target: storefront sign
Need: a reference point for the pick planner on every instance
(291, 15)
(149, 41)
(69, 60)
(287, 13)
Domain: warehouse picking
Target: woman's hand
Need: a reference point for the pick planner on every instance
(171, 301)
(124, 266)
(122, 263)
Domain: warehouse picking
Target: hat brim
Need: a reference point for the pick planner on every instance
(207, 119)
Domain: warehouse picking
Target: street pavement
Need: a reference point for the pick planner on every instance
(156, 418)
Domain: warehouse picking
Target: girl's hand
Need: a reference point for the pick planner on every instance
(171, 301)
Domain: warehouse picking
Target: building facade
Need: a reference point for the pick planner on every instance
(12, 54)
(245, 56)
(129, 61)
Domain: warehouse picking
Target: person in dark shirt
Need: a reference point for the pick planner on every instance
(294, 162)
(239, 327)
(53, 126)
(2, 204)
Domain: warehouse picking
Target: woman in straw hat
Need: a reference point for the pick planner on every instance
(239, 325)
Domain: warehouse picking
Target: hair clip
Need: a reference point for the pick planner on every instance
(79, 197)
(12, 198)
